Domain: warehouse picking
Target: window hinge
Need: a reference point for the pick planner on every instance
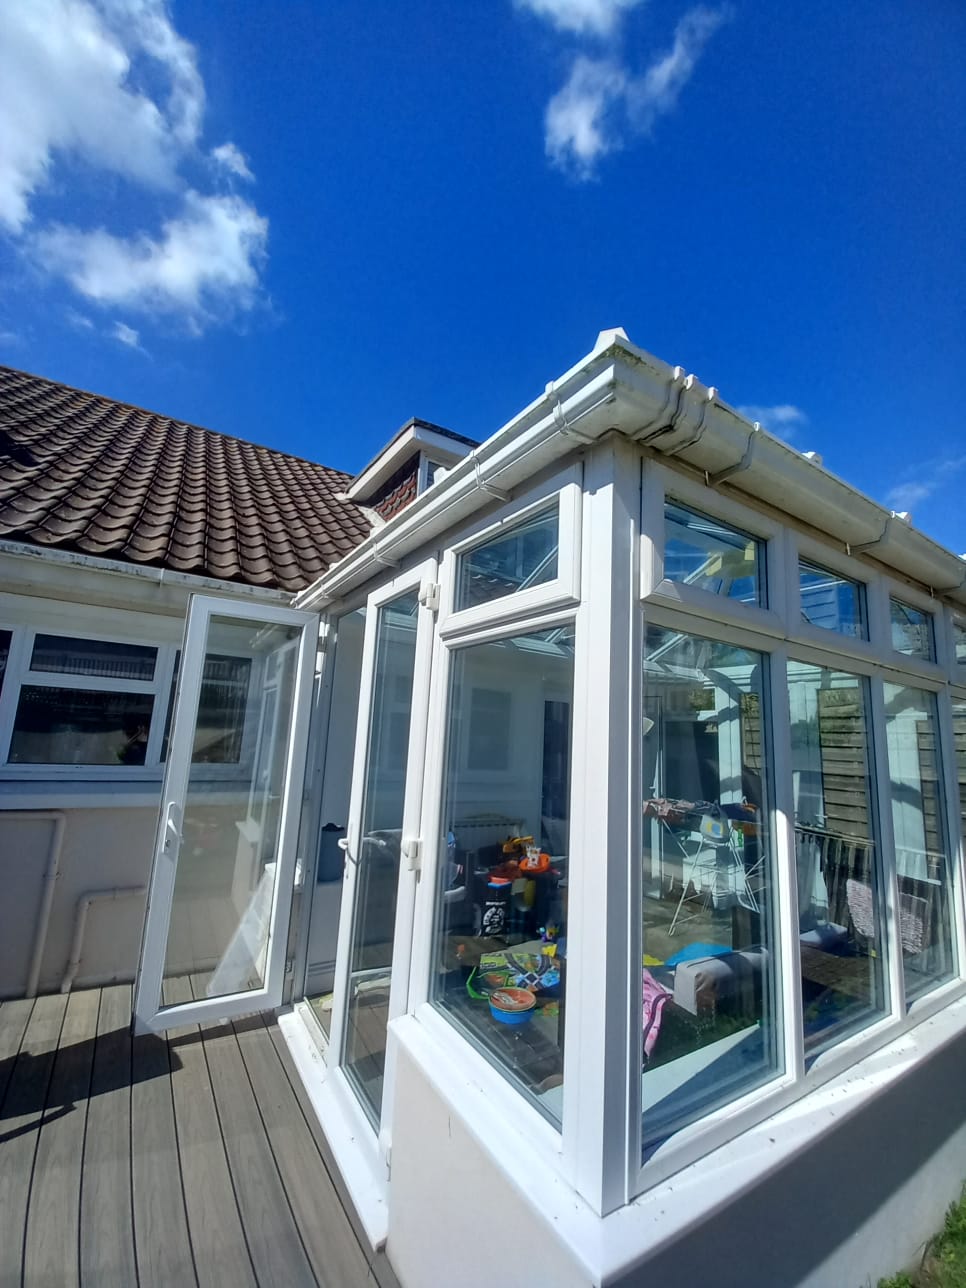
(429, 595)
(289, 966)
(412, 848)
(389, 1161)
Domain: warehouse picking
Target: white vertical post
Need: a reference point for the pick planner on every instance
(953, 819)
(785, 864)
(602, 1058)
(885, 833)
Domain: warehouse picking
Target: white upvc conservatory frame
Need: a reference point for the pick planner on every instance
(594, 1160)
(745, 625)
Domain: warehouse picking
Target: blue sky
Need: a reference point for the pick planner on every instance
(302, 223)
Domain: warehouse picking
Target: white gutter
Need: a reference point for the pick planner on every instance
(619, 387)
(143, 572)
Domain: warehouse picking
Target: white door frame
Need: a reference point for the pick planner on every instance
(149, 1014)
(418, 578)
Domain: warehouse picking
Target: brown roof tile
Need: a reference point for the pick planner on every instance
(81, 472)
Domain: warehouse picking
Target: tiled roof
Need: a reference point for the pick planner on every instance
(81, 472)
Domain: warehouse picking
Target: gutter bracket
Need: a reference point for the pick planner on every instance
(562, 424)
(485, 486)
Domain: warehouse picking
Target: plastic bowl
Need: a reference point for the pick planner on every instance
(512, 1005)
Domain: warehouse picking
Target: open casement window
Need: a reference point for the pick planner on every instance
(221, 885)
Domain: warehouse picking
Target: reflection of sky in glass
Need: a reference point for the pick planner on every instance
(702, 552)
(832, 602)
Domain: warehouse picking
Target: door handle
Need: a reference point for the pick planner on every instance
(172, 832)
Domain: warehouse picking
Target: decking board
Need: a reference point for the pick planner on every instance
(52, 1247)
(20, 1125)
(328, 1239)
(161, 1244)
(217, 1237)
(273, 1237)
(159, 1161)
(107, 1255)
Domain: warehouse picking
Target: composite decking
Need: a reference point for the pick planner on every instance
(191, 1158)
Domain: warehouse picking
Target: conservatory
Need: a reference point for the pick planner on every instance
(608, 863)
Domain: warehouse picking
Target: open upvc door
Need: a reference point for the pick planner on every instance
(225, 856)
(382, 844)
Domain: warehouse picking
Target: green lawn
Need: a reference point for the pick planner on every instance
(944, 1265)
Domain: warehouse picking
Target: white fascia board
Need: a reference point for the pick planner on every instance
(443, 449)
(619, 387)
(146, 572)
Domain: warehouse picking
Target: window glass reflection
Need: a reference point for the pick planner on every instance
(839, 886)
(832, 602)
(922, 863)
(518, 557)
(706, 553)
(911, 630)
(709, 995)
(500, 945)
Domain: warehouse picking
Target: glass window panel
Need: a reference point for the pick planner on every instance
(222, 705)
(831, 601)
(911, 630)
(377, 873)
(704, 552)
(839, 883)
(959, 741)
(500, 943)
(516, 558)
(5, 638)
(56, 726)
(65, 655)
(709, 992)
(922, 861)
(959, 642)
(326, 892)
(224, 886)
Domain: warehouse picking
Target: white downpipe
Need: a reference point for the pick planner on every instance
(51, 873)
(80, 924)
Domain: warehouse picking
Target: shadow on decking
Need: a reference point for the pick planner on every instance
(191, 1158)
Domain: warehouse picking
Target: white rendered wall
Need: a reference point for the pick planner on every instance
(855, 1205)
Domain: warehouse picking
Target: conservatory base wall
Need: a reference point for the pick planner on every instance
(856, 1202)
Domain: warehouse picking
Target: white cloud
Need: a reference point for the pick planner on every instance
(602, 102)
(202, 263)
(230, 158)
(111, 86)
(927, 478)
(585, 17)
(65, 89)
(782, 419)
(656, 93)
(126, 334)
(579, 125)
